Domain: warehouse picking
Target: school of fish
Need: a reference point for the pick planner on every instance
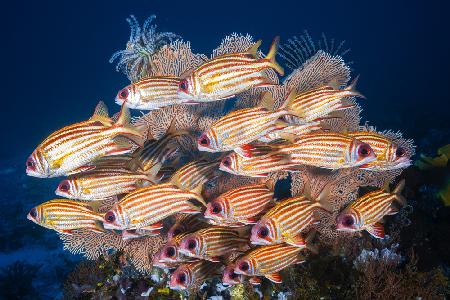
(243, 234)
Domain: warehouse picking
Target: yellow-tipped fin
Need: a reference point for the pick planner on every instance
(398, 190)
(288, 104)
(123, 122)
(271, 56)
(352, 88)
(267, 101)
(253, 50)
(101, 114)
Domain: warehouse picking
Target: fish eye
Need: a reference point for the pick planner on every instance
(181, 278)
(183, 85)
(203, 140)
(64, 186)
(123, 93)
(191, 244)
(364, 150)
(30, 163)
(244, 266)
(33, 212)
(226, 162)
(348, 220)
(215, 208)
(110, 217)
(170, 251)
(400, 152)
(263, 232)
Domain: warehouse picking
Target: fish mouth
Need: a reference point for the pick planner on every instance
(205, 149)
(33, 173)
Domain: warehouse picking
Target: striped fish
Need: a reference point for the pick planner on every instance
(389, 155)
(319, 102)
(195, 173)
(285, 222)
(230, 74)
(242, 205)
(185, 223)
(103, 183)
(151, 93)
(257, 165)
(73, 148)
(366, 212)
(193, 274)
(243, 126)
(212, 242)
(158, 151)
(65, 216)
(146, 207)
(289, 130)
(330, 150)
(267, 261)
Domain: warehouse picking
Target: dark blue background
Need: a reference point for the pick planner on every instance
(56, 66)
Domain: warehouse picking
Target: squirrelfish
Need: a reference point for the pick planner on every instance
(72, 148)
(286, 220)
(243, 126)
(65, 216)
(242, 205)
(103, 183)
(230, 277)
(321, 101)
(146, 207)
(366, 212)
(330, 150)
(212, 242)
(256, 164)
(389, 155)
(230, 74)
(267, 261)
(192, 274)
(194, 174)
(151, 93)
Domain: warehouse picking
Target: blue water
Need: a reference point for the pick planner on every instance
(55, 69)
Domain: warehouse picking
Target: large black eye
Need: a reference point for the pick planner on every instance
(183, 85)
(203, 140)
(170, 251)
(33, 212)
(226, 162)
(244, 266)
(30, 163)
(64, 186)
(348, 221)
(192, 244)
(263, 232)
(364, 150)
(215, 208)
(181, 278)
(400, 152)
(110, 217)
(123, 93)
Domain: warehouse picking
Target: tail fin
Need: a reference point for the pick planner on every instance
(352, 88)
(123, 122)
(271, 56)
(309, 242)
(253, 50)
(397, 192)
(198, 192)
(101, 114)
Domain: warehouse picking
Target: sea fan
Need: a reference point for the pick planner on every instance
(135, 61)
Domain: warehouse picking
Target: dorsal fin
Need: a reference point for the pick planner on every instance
(267, 101)
(253, 50)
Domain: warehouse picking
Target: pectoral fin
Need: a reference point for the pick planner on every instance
(376, 230)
